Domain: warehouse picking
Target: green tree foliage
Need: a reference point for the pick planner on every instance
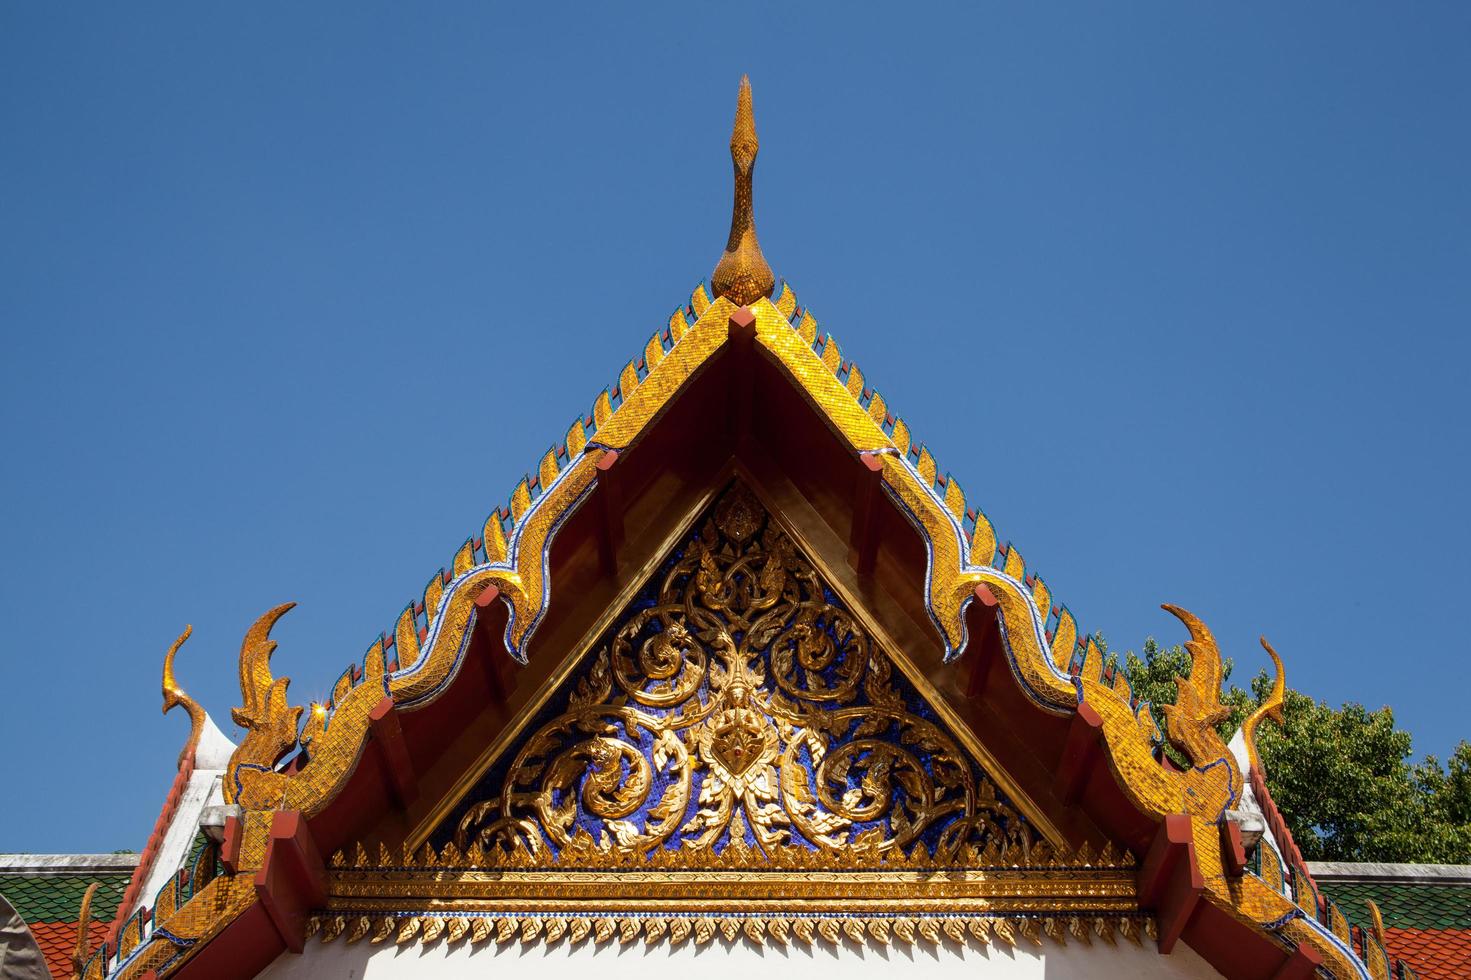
(1342, 777)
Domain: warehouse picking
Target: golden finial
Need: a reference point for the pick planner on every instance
(742, 274)
(173, 696)
(81, 952)
(1378, 926)
(1270, 708)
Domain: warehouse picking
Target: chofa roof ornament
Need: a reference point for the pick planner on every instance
(742, 275)
(174, 696)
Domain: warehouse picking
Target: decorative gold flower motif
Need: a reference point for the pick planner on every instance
(757, 709)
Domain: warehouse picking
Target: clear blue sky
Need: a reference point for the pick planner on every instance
(291, 298)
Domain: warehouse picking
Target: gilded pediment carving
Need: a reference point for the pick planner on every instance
(736, 756)
(737, 707)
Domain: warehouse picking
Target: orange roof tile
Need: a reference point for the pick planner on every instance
(58, 939)
(1435, 954)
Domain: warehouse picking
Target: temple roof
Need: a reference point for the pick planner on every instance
(47, 889)
(735, 385)
(1426, 910)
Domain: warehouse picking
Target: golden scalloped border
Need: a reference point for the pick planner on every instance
(654, 928)
(738, 855)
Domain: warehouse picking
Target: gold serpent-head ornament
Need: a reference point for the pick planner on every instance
(269, 720)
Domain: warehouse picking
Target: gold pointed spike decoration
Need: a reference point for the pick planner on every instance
(742, 274)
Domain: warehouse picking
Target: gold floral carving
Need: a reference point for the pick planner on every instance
(653, 928)
(745, 687)
(783, 894)
(700, 929)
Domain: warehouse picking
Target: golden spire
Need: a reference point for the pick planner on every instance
(742, 275)
(1270, 708)
(174, 696)
(82, 951)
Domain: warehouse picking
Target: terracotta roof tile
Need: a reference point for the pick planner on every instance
(133, 888)
(1426, 925)
(51, 903)
(1435, 954)
(57, 940)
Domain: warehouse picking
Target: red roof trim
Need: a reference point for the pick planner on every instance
(151, 849)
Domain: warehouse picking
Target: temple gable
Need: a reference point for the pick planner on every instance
(737, 706)
(736, 753)
(739, 666)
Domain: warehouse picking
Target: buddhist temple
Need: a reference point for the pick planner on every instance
(739, 680)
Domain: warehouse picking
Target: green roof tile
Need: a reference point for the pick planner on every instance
(1404, 906)
(58, 898)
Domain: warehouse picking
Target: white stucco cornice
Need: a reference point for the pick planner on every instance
(60, 864)
(1370, 872)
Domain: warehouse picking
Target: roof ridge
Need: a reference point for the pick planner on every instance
(61, 864)
(492, 545)
(1372, 872)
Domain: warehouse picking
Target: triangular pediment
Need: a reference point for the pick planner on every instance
(748, 713)
(737, 751)
(735, 711)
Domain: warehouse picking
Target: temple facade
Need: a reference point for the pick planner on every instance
(738, 680)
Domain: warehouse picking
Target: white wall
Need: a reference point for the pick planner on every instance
(737, 961)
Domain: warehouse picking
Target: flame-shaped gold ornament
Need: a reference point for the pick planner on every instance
(742, 275)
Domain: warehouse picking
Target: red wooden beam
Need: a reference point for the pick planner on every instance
(292, 880)
(1080, 754)
(1303, 963)
(230, 845)
(388, 735)
(485, 612)
(1170, 881)
(743, 324)
(610, 511)
(984, 646)
(487, 596)
(742, 340)
(245, 947)
(863, 538)
(1233, 851)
